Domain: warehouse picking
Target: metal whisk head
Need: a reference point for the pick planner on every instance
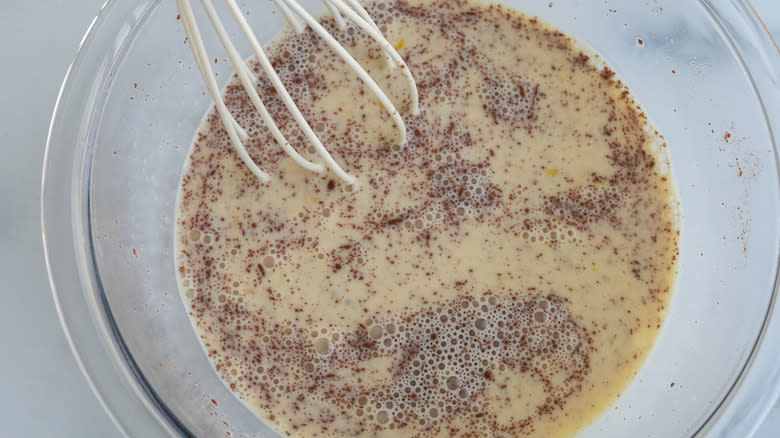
(299, 19)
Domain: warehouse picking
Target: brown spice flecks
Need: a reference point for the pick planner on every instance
(444, 357)
(414, 302)
(510, 98)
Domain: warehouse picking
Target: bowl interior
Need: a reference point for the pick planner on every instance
(685, 75)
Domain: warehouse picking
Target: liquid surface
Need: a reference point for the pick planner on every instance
(504, 273)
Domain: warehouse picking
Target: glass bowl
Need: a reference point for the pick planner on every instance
(706, 72)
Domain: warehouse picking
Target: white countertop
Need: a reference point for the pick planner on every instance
(43, 391)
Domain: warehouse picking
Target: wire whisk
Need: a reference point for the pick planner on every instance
(299, 19)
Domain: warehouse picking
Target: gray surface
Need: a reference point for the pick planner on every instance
(43, 392)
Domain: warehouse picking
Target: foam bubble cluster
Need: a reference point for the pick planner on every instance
(449, 355)
(465, 188)
(443, 359)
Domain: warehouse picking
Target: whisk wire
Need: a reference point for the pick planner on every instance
(292, 19)
(352, 63)
(265, 64)
(298, 18)
(372, 30)
(340, 23)
(242, 70)
(234, 130)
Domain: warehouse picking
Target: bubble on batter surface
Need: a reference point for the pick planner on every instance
(444, 358)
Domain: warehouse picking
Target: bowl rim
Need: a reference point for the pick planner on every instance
(101, 353)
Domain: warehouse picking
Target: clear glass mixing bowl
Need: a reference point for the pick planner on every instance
(705, 71)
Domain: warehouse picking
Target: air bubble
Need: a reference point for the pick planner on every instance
(375, 332)
(269, 261)
(322, 346)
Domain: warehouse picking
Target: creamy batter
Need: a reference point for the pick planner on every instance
(504, 273)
